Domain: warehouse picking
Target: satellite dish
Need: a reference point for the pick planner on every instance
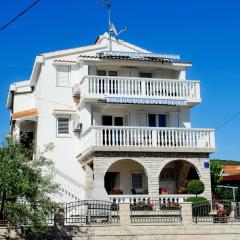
(112, 31)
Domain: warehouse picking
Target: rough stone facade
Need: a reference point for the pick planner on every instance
(153, 164)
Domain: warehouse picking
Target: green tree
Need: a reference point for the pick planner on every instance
(25, 187)
(195, 187)
(215, 170)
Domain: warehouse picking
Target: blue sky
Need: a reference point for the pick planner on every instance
(204, 32)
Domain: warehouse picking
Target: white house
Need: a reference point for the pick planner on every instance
(119, 121)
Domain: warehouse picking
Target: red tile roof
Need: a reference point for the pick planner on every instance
(64, 61)
(25, 113)
(65, 110)
(147, 59)
(232, 169)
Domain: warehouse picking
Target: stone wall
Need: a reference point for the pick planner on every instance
(184, 230)
(187, 229)
(153, 163)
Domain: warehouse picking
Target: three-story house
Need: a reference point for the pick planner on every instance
(119, 121)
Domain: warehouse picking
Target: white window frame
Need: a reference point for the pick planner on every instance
(58, 68)
(69, 124)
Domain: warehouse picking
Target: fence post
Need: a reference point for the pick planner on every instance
(59, 216)
(124, 213)
(186, 211)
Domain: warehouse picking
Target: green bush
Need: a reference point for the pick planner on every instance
(225, 193)
(196, 199)
(195, 187)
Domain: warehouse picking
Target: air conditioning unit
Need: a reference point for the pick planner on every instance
(76, 91)
(77, 126)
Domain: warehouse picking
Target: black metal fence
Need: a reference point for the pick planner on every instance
(3, 220)
(89, 212)
(155, 211)
(217, 211)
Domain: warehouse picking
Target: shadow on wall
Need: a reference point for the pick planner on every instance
(60, 231)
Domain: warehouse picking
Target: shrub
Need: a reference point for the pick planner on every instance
(195, 187)
(226, 193)
(196, 199)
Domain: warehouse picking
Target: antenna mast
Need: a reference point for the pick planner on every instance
(108, 6)
(111, 28)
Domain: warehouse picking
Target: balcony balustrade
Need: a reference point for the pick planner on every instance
(140, 90)
(109, 138)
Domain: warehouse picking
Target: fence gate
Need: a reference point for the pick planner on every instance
(217, 211)
(88, 212)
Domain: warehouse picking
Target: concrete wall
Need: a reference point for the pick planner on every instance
(130, 113)
(50, 97)
(156, 72)
(23, 101)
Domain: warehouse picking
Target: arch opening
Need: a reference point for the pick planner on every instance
(126, 177)
(175, 175)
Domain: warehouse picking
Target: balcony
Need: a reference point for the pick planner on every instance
(148, 139)
(140, 90)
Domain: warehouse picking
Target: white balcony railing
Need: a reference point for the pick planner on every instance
(101, 87)
(149, 137)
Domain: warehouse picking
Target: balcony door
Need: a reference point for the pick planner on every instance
(113, 137)
(157, 120)
(113, 120)
(110, 85)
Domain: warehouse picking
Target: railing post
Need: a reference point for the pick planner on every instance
(154, 138)
(197, 91)
(212, 139)
(143, 88)
(186, 212)
(59, 218)
(124, 213)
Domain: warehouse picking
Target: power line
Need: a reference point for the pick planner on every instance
(19, 15)
(14, 66)
(228, 120)
(47, 100)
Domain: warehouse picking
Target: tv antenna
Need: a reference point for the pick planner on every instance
(112, 31)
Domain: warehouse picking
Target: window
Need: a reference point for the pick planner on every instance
(157, 120)
(112, 121)
(63, 76)
(63, 126)
(107, 120)
(106, 73)
(101, 73)
(145, 75)
(137, 180)
(152, 120)
(112, 73)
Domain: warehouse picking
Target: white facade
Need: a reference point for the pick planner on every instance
(86, 103)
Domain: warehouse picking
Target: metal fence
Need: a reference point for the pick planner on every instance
(155, 211)
(3, 220)
(89, 212)
(217, 211)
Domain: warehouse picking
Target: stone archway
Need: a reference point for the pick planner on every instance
(175, 175)
(126, 177)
